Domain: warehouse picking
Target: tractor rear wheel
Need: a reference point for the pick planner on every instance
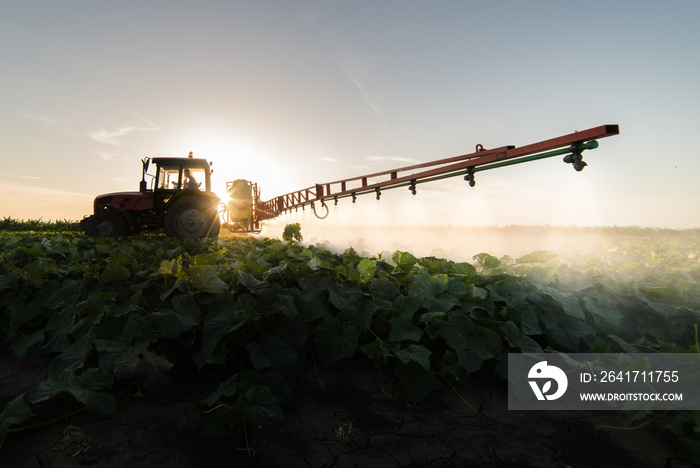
(193, 217)
(106, 223)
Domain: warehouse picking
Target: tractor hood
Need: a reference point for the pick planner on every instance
(121, 199)
(105, 198)
(123, 194)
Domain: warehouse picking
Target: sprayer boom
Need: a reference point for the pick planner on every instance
(571, 145)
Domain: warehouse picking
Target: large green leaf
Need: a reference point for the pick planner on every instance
(456, 287)
(381, 289)
(465, 270)
(23, 344)
(274, 353)
(625, 346)
(73, 357)
(286, 305)
(205, 278)
(65, 295)
(140, 328)
(513, 293)
(184, 316)
(473, 344)
(53, 385)
(407, 305)
(258, 357)
(435, 265)
(404, 261)
(150, 370)
(566, 331)
(487, 262)
(15, 412)
(8, 281)
(216, 327)
(250, 282)
(415, 353)
(345, 301)
(87, 388)
(314, 300)
(23, 311)
(117, 350)
(272, 380)
(205, 259)
(377, 351)
(539, 256)
(525, 317)
(428, 286)
(601, 303)
(114, 272)
(261, 407)
(518, 339)
(169, 267)
(402, 329)
(568, 301)
(130, 305)
(335, 340)
(361, 316)
(226, 389)
(37, 272)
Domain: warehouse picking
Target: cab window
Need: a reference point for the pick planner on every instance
(169, 177)
(192, 178)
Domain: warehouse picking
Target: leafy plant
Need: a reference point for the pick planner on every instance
(10, 224)
(292, 233)
(131, 311)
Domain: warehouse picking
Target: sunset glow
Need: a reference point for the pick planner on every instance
(288, 95)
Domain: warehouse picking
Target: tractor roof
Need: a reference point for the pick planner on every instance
(194, 162)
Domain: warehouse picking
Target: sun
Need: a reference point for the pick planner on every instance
(233, 159)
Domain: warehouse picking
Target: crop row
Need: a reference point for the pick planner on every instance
(114, 312)
(14, 225)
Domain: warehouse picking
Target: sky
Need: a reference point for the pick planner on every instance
(292, 93)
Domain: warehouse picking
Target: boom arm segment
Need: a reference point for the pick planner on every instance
(409, 176)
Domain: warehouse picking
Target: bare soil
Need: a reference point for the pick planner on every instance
(346, 416)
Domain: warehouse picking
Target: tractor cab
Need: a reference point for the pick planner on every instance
(178, 199)
(173, 175)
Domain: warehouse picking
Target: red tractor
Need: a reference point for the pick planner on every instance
(179, 201)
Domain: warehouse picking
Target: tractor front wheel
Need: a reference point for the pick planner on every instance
(192, 217)
(106, 223)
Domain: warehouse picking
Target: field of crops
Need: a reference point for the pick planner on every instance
(126, 315)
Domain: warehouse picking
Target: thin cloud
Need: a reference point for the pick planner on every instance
(33, 141)
(343, 163)
(144, 119)
(392, 158)
(43, 118)
(30, 195)
(111, 137)
(357, 68)
(366, 97)
(53, 121)
(106, 156)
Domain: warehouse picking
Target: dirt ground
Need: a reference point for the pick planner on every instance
(351, 417)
